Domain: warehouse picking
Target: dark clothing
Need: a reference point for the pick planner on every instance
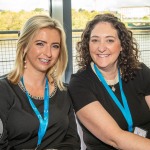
(21, 123)
(85, 88)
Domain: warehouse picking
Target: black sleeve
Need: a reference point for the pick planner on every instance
(72, 139)
(5, 106)
(145, 75)
(81, 91)
(4, 145)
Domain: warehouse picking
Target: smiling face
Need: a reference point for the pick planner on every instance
(44, 50)
(104, 46)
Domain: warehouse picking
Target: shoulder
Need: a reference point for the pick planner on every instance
(64, 92)
(6, 94)
(65, 84)
(144, 67)
(3, 76)
(3, 81)
(144, 70)
(63, 96)
(142, 77)
(83, 74)
(6, 88)
(82, 81)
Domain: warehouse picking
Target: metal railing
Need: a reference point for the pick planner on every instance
(8, 48)
(8, 41)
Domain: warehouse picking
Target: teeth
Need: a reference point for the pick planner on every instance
(44, 60)
(103, 55)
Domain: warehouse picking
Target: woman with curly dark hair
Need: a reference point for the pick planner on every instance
(111, 91)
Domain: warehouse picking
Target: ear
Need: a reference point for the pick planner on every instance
(24, 52)
(121, 49)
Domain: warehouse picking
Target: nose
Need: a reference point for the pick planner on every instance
(48, 52)
(101, 47)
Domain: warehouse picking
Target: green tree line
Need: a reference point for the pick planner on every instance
(10, 20)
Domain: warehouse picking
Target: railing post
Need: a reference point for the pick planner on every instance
(61, 10)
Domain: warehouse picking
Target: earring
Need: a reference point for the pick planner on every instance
(25, 64)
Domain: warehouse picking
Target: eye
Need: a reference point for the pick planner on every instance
(94, 40)
(56, 46)
(110, 40)
(40, 44)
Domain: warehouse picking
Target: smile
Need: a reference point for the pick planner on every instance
(103, 55)
(44, 60)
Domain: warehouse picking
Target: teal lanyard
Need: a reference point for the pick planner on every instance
(125, 108)
(43, 120)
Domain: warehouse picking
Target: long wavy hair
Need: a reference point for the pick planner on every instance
(28, 32)
(128, 59)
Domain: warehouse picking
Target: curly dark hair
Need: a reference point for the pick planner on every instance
(128, 59)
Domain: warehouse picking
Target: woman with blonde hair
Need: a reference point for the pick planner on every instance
(35, 108)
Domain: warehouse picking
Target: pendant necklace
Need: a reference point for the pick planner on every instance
(112, 83)
(113, 88)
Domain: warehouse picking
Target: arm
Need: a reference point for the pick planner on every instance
(109, 131)
(147, 98)
(3, 132)
(71, 140)
(72, 136)
(146, 83)
(4, 96)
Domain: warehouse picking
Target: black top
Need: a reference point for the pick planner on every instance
(21, 123)
(85, 88)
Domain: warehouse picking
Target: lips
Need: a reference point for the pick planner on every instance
(103, 55)
(44, 60)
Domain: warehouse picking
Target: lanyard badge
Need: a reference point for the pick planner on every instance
(141, 132)
(45, 119)
(123, 108)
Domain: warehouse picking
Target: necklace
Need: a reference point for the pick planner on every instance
(38, 97)
(112, 83)
(113, 88)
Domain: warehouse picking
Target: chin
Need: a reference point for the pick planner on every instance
(44, 70)
(102, 65)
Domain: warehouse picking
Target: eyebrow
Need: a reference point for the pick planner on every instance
(94, 36)
(46, 42)
(108, 36)
(40, 41)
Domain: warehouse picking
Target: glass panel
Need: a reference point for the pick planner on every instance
(135, 15)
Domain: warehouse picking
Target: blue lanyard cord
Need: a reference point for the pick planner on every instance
(43, 120)
(125, 108)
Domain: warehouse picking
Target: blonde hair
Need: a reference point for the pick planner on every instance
(28, 32)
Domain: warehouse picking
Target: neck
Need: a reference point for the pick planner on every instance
(34, 79)
(109, 74)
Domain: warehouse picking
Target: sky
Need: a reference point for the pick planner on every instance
(28, 5)
(107, 4)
